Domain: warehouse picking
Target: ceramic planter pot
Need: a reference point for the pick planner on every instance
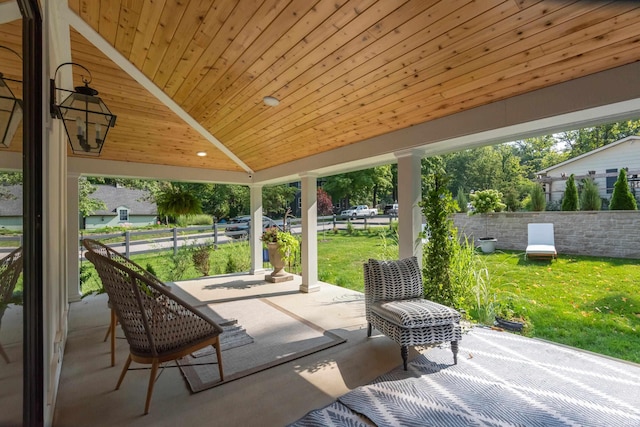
(276, 260)
(487, 244)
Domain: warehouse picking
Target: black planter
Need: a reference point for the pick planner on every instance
(509, 325)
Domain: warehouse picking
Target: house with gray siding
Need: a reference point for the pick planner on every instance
(11, 207)
(602, 165)
(125, 206)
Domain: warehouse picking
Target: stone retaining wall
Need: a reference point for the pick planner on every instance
(596, 233)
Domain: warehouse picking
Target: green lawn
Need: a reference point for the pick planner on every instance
(585, 302)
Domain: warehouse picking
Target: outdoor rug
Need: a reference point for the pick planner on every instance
(501, 379)
(279, 336)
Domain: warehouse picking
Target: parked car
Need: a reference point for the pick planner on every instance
(391, 209)
(359, 211)
(238, 227)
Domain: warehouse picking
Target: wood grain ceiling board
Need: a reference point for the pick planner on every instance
(11, 68)
(344, 70)
(146, 130)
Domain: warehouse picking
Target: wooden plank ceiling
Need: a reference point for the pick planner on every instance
(343, 70)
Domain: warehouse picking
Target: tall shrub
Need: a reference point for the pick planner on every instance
(590, 197)
(622, 199)
(486, 201)
(538, 199)
(437, 207)
(570, 200)
(462, 200)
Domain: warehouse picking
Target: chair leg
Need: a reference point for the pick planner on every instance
(124, 371)
(4, 355)
(404, 352)
(369, 327)
(112, 327)
(454, 349)
(219, 355)
(152, 381)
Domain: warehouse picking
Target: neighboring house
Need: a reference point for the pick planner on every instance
(11, 207)
(125, 206)
(602, 164)
(134, 208)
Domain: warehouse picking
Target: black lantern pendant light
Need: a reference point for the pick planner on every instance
(10, 109)
(86, 117)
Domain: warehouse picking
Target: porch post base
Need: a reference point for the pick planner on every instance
(309, 288)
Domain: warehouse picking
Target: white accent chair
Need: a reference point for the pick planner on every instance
(541, 243)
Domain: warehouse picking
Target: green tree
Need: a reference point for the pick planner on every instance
(622, 199)
(486, 201)
(538, 198)
(590, 197)
(583, 140)
(277, 198)
(86, 204)
(462, 200)
(360, 187)
(570, 199)
(437, 207)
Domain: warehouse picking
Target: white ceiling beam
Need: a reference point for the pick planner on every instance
(119, 169)
(9, 12)
(98, 41)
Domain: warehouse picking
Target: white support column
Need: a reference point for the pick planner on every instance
(256, 229)
(73, 237)
(309, 234)
(409, 194)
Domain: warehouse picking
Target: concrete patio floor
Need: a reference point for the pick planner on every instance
(274, 397)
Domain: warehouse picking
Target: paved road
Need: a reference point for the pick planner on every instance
(166, 243)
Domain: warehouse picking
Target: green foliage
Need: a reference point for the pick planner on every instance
(538, 198)
(622, 199)
(462, 200)
(199, 219)
(590, 197)
(350, 230)
(87, 205)
(570, 199)
(487, 201)
(179, 263)
(200, 256)
(151, 270)
(360, 187)
(238, 257)
(288, 244)
(511, 200)
(437, 207)
(483, 310)
(465, 262)
(276, 199)
(175, 200)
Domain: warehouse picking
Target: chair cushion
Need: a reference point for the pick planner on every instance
(395, 280)
(541, 250)
(415, 313)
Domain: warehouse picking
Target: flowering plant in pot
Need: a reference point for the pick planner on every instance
(283, 248)
(484, 202)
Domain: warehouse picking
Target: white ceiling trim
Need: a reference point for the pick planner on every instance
(9, 12)
(98, 41)
(118, 169)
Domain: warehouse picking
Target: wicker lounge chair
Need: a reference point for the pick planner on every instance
(104, 250)
(10, 269)
(394, 306)
(158, 325)
(541, 242)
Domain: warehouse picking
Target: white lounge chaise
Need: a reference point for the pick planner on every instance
(541, 243)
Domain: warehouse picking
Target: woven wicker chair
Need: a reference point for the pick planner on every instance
(158, 325)
(10, 269)
(394, 306)
(106, 251)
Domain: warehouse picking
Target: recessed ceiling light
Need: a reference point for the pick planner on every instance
(271, 101)
(201, 153)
